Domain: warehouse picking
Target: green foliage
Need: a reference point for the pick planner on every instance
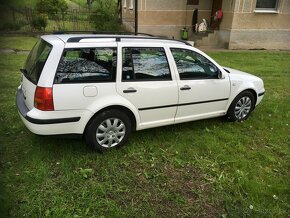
(19, 3)
(10, 26)
(50, 7)
(105, 17)
(39, 22)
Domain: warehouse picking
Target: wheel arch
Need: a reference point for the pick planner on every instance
(255, 94)
(115, 107)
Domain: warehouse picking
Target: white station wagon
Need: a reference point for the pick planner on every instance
(106, 86)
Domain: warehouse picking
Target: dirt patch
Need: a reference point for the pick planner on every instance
(167, 190)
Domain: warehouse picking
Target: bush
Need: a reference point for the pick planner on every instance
(10, 26)
(105, 17)
(104, 22)
(50, 7)
(39, 22)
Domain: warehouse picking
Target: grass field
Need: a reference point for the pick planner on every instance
(17, 43)
(208, 168)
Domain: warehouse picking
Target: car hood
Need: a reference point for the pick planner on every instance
(237, 74)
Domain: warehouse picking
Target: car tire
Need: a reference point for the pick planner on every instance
(109, 129)
(241, 107)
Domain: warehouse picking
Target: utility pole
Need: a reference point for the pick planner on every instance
(136, 17)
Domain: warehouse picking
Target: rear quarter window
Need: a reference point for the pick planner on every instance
(36, 60)
(86, 65)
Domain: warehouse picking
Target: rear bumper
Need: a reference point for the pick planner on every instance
(52, 122)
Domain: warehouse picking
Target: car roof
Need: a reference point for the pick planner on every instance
(79, 38)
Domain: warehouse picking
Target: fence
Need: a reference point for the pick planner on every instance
(75, 20)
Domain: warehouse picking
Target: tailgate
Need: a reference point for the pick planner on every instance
(28, 89)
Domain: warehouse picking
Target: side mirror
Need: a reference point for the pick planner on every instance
(221, 75)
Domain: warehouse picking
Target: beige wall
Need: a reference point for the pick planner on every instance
(128, 16)
(165, 17)
(253, 30)
(241, 27)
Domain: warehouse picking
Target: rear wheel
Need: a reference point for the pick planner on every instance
(241, 106)
(109, 129)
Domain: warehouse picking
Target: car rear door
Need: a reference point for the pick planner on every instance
(147, 81)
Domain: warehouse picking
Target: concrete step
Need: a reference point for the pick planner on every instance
(207, 39)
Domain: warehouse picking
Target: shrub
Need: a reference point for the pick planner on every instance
(50, 7)
(10, 26)
(105, 17)
(39, 22)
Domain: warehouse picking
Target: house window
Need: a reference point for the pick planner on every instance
(267, 5)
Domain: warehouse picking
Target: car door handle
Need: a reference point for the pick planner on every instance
(129, 90)
(186, 87)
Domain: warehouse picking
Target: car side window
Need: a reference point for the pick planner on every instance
(81, 65)
(145, 64)
(191, 65)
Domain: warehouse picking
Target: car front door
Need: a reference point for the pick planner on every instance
(147, 82)
(203, 87)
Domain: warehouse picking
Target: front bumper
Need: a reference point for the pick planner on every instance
(260, 97)
(52, 122)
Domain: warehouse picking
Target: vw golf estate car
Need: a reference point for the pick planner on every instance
(106, 86)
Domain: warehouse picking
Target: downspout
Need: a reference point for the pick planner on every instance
(136, 17)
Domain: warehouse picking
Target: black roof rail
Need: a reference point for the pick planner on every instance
(101, 32)
(118, 38)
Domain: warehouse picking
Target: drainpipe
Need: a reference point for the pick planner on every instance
(136, 17)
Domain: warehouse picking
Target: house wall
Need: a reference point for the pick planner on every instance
(252, 30)
(223, 35)
(128, 15)
(165, 17)
(241, 26)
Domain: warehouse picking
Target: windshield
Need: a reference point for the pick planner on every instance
(36, 60)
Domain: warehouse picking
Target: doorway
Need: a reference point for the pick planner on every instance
(216, 5)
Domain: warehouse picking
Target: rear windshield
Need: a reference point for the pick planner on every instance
(36, 60)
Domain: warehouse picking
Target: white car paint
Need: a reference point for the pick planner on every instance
(241, 81)
(84, 100)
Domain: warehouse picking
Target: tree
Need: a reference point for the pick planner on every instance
(50, 7)
(39, 22)
(106, 17)
(89, 3)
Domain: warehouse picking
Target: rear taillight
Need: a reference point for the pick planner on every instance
(43, 99)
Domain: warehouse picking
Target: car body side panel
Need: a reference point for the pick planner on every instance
(241, 81)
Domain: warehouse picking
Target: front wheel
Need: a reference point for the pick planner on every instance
(241, 107)
(109, 129)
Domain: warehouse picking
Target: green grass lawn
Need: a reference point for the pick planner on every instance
(208, 168)
(17, 43)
